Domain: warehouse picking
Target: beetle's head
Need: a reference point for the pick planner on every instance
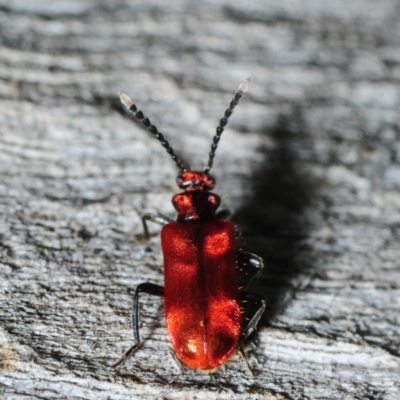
(195, 180)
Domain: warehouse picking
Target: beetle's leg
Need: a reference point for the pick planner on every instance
(243, 259)
(224, 214)
(261, 302)
(244, 356)
(149, 288)
(153, 217)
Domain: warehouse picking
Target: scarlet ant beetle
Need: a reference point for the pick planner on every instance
(201, 291)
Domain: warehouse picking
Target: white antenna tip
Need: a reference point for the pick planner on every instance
(125, 100)
(244, 85)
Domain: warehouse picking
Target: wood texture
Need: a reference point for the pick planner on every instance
(310, 164)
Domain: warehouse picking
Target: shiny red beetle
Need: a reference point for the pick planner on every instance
(201, 263)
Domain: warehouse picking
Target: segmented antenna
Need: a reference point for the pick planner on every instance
(224, 120)
(128, 103)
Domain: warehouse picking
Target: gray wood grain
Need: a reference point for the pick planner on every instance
(310, 164)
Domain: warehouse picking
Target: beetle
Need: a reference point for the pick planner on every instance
(202, 297)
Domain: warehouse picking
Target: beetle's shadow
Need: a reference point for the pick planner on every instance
(273, 220)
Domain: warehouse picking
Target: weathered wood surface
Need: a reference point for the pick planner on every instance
(310, 163)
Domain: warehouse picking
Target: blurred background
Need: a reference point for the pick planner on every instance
(309, 164)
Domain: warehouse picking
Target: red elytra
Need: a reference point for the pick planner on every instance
(201, 293)
(202, 304)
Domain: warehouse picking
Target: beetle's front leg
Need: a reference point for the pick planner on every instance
(243, 258)
(149, 288)
(153, 217)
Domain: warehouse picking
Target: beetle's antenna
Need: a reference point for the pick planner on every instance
(128, 103)
(224, 120)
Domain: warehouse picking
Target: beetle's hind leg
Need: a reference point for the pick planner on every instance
(260, 302)
(243, 260)
(149, 288)
(153, 217)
